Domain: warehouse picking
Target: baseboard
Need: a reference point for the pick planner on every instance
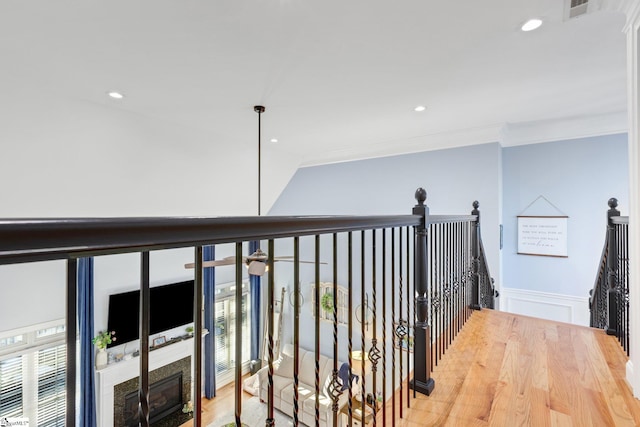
(546, 305)
(631, 379)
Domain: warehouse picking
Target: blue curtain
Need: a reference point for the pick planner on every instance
(254, 288)
(85, 327)
(209, 286)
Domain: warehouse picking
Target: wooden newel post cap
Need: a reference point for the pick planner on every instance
(476, 204)
(421, 195)
(613, 203)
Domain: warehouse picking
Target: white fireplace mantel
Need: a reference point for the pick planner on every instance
(110, 376)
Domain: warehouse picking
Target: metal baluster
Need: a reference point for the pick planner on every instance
(447, 286)
(350, 322)
(374, 352)
(364, 305)
(143, 389)
(400, 328)
(440, 290)
(317, 330)
(296, 330)
(270, 421)
(393, 332)
(432, 317)
(197, 342)
(408, 265)
(71, 341)
(415, 314)
(450, 284)
(336, 387)
(238, 338)
(459, 273)
(384, 326)
(626, 284)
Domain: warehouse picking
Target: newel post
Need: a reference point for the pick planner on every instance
(475, 258)
(421, 381)
(612, 268)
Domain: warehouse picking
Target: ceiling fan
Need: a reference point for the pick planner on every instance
(257, 261)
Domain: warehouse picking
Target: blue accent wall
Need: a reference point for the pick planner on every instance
(453, 178)
(578, 176)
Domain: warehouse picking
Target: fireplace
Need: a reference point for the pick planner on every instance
(169, 390)
(165, 397)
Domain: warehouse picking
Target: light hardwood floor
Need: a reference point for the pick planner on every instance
(509, 370)
(224, 400)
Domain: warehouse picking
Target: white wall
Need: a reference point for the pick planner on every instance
(63, 157)
(578, 177)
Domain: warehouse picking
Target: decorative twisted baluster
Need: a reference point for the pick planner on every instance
(335, 388)
(384, 326)
(374, 352)
(296, 330)
(393, 317)
(410, 300)
(270, 421)
(350, 324)
(364, 305)
(399, 322)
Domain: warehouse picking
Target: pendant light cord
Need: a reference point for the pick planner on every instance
(259, 109)
(259, 162)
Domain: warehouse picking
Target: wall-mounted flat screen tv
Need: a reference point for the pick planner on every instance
(171, 306)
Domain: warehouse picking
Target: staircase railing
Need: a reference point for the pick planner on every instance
(445, 257)
(609, 298)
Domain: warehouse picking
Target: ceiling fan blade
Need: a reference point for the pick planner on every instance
(216, 263)
(301, 262)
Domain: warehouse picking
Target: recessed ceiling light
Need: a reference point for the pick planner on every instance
(115, 95)
(420, 108)
(273, 140)
(531, 24)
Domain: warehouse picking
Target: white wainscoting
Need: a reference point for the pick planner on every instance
(545, 305)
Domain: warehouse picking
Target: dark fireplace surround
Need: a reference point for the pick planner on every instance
(164, 382)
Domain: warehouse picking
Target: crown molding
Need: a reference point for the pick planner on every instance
(431, 142)
(631, 8)
(508, 135)
(514, 134)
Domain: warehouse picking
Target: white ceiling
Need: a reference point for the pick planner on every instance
(337, 77)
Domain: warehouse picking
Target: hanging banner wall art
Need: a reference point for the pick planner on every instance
(543, 235)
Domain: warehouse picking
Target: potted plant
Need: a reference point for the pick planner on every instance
(101, 341)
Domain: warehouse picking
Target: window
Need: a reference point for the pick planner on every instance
(32, 374)
(326, 302)
(225, 329)
(11, 387)
(51, 386)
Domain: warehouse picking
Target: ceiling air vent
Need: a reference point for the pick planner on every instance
(575, 8)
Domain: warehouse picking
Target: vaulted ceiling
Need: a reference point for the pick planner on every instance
(338, 78)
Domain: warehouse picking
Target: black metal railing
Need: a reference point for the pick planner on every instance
(609, 298)
(444, 254)
(459, 280)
